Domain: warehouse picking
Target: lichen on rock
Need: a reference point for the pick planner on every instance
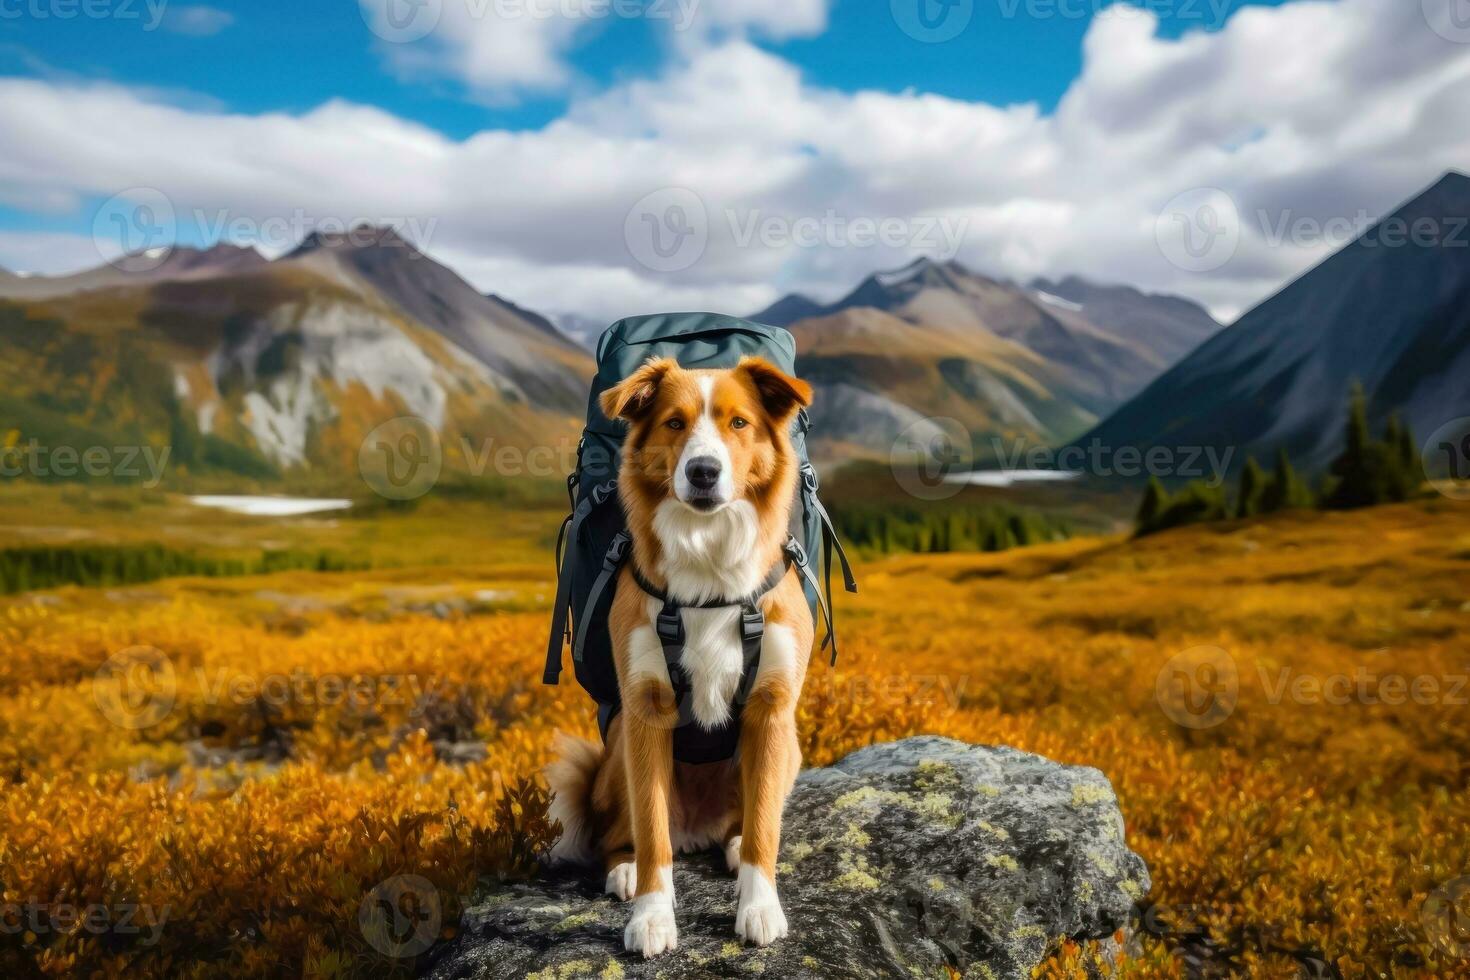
(906, 859)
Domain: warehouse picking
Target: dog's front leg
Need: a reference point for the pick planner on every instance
(649, 718)
(770, 757)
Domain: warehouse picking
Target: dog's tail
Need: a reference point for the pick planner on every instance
(571, 777)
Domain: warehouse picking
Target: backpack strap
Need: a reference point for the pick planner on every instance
(829, 533)
(670, 629)
(830, 542)
(752, 634)
(617, 552)
(561, 632)
(797, 555)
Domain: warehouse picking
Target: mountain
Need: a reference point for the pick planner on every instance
(1170, 326)
(938, 340)
(789, 309)
(522, 348)
(263, 369)
(877, 376)
(1387, 311)
(148, 267)
(583, 329)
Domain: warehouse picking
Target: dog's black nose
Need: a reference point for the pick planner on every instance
(703, 472)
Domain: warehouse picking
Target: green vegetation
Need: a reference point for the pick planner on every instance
(1195, 504)
(1252, 489)
(1285, 491)
(889, 528)
(49, 566)
(1368, 472)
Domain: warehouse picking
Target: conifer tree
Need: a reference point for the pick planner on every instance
(1285, 491)
(1155, 499)
(1252, 488)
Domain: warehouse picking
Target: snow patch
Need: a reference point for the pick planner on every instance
(270, 506)
(1057, 301)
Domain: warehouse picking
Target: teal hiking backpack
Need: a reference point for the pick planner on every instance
(594, 541)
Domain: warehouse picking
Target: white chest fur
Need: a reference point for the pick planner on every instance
(703, 557)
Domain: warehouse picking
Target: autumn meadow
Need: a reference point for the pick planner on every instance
(216, 774)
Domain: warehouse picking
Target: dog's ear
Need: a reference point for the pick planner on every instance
(781, 395)
(635, 395)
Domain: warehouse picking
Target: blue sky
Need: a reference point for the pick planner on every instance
(291, 56)
(1054, 134)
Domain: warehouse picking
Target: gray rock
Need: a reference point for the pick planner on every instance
(902, 860)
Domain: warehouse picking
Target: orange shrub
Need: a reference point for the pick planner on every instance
(277, 769)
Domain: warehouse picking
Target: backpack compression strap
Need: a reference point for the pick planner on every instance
(561, 605)
(830, 541)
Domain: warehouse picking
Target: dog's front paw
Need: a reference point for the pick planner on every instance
(758, 916)
(622, 881)
(651, 930)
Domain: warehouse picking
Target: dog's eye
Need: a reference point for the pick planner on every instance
(738, 423)
(675, 423)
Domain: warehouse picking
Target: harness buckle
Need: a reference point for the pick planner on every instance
(670, 625)
(795, 551)
(752, 624)
(615, 552)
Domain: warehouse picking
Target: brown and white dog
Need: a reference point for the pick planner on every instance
(707, 481)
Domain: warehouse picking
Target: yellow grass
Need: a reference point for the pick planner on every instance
(285, 763)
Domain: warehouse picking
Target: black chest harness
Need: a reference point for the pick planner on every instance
(693, 742)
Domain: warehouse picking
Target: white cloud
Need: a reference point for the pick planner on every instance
(197, 21)
(778, 19)
(1311, 110)
(501, 49)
